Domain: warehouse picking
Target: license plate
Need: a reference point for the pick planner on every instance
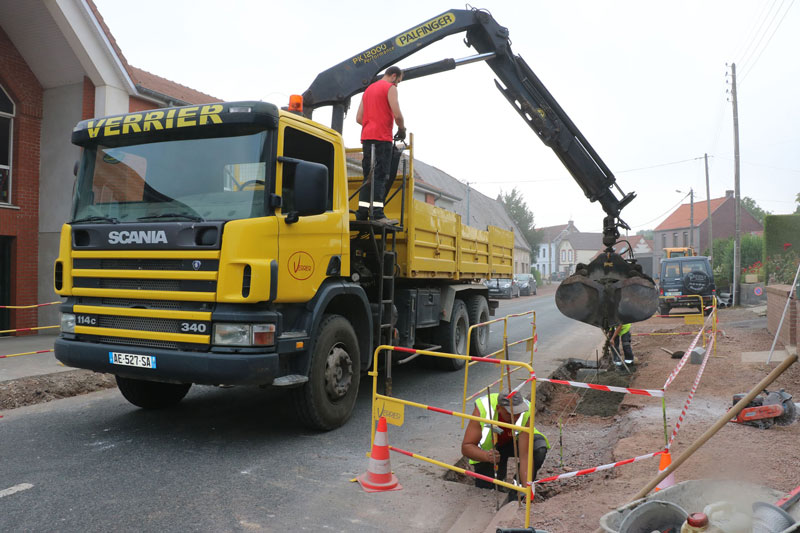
(672, 293)
(130, 359)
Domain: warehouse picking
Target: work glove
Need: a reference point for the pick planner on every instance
(400, 135)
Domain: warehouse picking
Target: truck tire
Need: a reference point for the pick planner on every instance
(152, 394)
(327, 399)
(452, 337)
(478, 311)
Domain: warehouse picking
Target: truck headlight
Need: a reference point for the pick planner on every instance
(232, 334)
(244, 334)
(67, 323)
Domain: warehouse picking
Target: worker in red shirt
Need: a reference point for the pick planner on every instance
(378, 112)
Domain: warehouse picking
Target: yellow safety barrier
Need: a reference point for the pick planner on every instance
(531, 346)
(689, 319)
(528, 489)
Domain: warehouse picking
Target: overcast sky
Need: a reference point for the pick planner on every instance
(647, 84)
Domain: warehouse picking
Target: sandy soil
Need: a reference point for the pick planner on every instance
(39, 389)
(766, 457)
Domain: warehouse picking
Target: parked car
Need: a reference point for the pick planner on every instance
(503, 288)
(527, 284)
(682, 280)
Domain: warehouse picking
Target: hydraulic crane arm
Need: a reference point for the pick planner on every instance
(519, 85)
(595, 294)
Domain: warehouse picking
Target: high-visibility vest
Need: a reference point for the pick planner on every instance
(625, 329)
(486, 431)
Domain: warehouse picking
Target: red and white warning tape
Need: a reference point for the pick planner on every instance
(686, 355)
(28, 329)
(518, 387)
(597, 468)
(26, 353)
(607, 388)
(691, 395)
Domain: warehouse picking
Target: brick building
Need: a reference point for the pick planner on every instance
(59, 64)
(675, 231)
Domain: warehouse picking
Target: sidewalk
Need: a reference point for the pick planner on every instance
(28, 365)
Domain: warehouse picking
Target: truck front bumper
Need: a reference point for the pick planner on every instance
(174, 366)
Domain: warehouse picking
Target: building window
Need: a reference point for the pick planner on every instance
(675, 239)
(686, 238)
(6, 142)
(570, 255)
(563, 255)
(663, 240)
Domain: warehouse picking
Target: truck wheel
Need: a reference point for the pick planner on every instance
(151, 394)
(478, 310)
(326, 400)
(453, 337)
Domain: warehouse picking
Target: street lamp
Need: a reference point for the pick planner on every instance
(691, 215)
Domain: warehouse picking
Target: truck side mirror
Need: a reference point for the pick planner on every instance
(311, 188)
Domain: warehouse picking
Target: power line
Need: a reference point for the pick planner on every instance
(759, 34)
(752, 32)
(661, 215)
(659, 165)
(783, 17)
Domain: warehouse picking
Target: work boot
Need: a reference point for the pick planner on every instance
(386, 221)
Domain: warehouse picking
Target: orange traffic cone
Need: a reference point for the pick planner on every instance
(666, 460)
(379, 477)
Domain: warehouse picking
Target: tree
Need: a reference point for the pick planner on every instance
(646, 233)
(797, 199)
(751, 206)
(517, 209)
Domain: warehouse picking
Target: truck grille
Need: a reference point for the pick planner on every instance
(161, 325)
(106, 305)
(177, 285)
(188, 265)
(166, 345)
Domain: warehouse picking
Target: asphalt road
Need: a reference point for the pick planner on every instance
(236, 459)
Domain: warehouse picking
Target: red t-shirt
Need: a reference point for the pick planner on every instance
(378, 119)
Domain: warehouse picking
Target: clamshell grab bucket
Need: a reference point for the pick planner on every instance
(608, 292)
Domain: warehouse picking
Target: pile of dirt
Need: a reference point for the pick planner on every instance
(48, 387)
(740, 453)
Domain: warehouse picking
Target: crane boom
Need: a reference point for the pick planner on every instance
(537, 107)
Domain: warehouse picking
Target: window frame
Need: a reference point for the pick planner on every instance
(10, 166)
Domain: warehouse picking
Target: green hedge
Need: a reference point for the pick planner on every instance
(780, 230)
(781, 240)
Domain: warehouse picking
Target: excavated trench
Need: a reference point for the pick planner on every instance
(589, 422)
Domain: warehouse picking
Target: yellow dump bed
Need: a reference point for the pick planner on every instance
(434, 244)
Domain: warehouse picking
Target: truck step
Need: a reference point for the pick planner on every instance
(290, 380)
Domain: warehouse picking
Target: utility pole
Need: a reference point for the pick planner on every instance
(737, 241)
(708, 213)
(691, 217)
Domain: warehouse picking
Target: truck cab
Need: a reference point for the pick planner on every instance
(215, 245)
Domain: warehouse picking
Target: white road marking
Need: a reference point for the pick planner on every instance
(16, 488)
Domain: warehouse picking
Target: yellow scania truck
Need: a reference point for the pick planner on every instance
(216, 244)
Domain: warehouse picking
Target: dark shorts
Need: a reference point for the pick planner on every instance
(506, 451)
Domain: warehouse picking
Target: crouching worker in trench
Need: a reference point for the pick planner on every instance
(488, 444)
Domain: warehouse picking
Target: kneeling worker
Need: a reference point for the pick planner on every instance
(488, 444)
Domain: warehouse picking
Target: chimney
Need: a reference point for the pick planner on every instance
(728, 194)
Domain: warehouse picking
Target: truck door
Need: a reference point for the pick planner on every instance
(310, 248)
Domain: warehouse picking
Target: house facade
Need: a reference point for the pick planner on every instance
(578, 248)
(548, 255)
(676, 230)
(59, 64)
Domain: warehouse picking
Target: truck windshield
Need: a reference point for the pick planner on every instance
(194, 179)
